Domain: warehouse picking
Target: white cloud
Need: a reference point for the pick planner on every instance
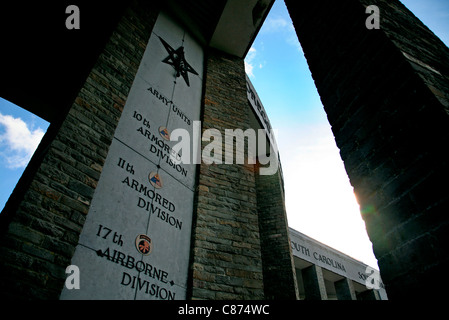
(274, 24)
(249, 69)
(285, 27)
(292, 39)
(248, 62)
(18, 141)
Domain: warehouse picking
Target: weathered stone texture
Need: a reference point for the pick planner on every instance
(39, 239)
(385, 93)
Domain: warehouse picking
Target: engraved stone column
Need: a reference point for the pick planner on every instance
(135, 243)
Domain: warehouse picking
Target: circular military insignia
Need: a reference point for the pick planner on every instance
(163, 131)
(144, 244)
(155, 180)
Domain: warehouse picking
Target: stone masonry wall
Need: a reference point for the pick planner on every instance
(39, 240)
(278, 266)
(385, 94)
(226, 259)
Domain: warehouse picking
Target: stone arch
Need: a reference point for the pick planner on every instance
(385, 93)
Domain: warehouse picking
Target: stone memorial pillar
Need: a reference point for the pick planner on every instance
(135, 243)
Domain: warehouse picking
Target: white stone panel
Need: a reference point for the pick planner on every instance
(126, 204)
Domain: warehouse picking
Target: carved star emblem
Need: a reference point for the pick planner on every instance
(177, 59)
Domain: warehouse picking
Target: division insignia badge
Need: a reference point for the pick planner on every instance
(155, 180)
(144, 244)
(163, 131)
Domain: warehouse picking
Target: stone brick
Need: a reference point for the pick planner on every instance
(223, 216)
(278, 267)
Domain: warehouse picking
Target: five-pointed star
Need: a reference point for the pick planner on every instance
(177, 59)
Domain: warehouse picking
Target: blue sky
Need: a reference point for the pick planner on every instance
(20, 134)
(319, 199)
